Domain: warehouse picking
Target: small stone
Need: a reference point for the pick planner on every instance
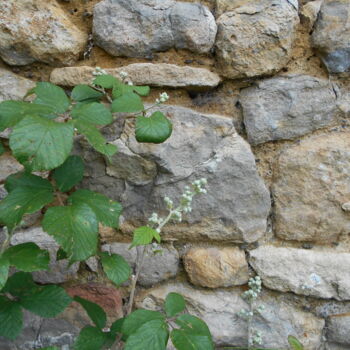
(309, 13)
(338, 329)
(216, 267)
(8, 166)
(346, 206)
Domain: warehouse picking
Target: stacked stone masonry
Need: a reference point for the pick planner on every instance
(260, 105)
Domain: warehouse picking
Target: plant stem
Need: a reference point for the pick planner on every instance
(6, 241)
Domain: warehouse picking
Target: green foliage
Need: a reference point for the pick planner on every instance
(128, 103)
(115, 267)
(90, 338)
(94, 113)
(144, 235)
(174, 304)
(4, 271)
(295, 343)
(95, 312)
(2, 148)
(11, 318)
(84, 93)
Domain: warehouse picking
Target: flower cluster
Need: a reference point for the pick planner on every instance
(99, 71)
(163, 97)
(123, 74)
(254, 288)
(257, 338)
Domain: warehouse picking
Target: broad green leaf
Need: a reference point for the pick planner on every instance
(12, 112)
(144, 235)
(95, 312)
(61, 254)
(115, 267)
(19, 284)
(137, 318)
(116, 326)
(75, 228)
(51, 95)
(106, 81)
(295, 343)
(2, 148)
(28, 257)
(41, 144)
(90, 338)
(4, 271)
(193, 325)
(154, 129)
(69, 174)
(106, 210)
(174, 304)
(152, 335)
(183, 340)
(11, 318)
(128, 103)
(95, 138)
(27, 194)
(85, 93)
(46, 301)
(141, 90)
(120, 89)
(93, 113)
(50, 348)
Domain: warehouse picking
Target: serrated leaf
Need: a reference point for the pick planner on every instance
(120, 89)
(2, 148)
(90, 338)
(106, 81)
(116, 326)
(69, 174)
(51, 95)
(106, 210)
(137, 318)
(28, 257)
(141, 90)
(115, 267)
(41, 144)
(27, 194)
(295, 343)
(95, 139)
(94, 113)
(95, 312)
(11, 318)
(19, 284)
(152, 335)
(144, 235)
(85, 93)
(154, 129)
(193, 325)
(12, 112)
(4, 271)
(128, 103)
(186, 341)
(75, 228)
(174, 304)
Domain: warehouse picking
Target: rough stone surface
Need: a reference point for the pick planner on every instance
(157, 267)
(338, 329)
(161, 74)
(309, 12)
(331, 35)
(146, 26)
(59, 271)
(219, 310)
(255, 37)
(322, 274)
(311, 185)
(287, 107)
(8, 166)
(216, 267)
(38, 30)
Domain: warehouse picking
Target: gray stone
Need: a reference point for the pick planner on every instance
(157, 267)
(8, 166)
(145, 26)
(331, 36)
(287, 107)
(309, 12)
(219, 310)
(311, 183)
(38, 30)
(338, 329)
(321, 274)
(255, 37)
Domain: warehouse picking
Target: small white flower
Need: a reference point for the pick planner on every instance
(123, 74)
(163, 97)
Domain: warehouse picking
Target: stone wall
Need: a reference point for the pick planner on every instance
(260, 103)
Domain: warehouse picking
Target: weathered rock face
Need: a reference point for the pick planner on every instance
(322, 274)
(216, 267)
(146, 26)
(219, 309)
(161, 74)
(309, 12)
(255, 38)
(311, 185)
(8, 166)
(338, 329)
(331, 35)
(288, 106)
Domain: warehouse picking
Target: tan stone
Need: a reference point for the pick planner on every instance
(216, 267)
(8, 166)
(309, 13)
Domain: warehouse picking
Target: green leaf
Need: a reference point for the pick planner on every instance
(12, 112)
(106, 210)
(115, 267)
(2, 148)
(51, 95)
(193, 325)
(28, 257)
(27, 194)
(106, 81)
(50, 348)
(85, 93)
(95, 138)
(94, 113)
(141, 90)
(295, 343)
(144, 235)
(4, 271)
(152, 335)
(19, 284)
(154, 129)
(90, 338)
(174, 304)
(41, 144)
(116, 326)
(61, 254)
(137, 318)
(11, 318)
(75, 228)
(183, 340)
(128, 103)
(46, 301)
(69, 174)
(95, 312)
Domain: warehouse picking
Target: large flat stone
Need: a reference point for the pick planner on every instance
(338, 329)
